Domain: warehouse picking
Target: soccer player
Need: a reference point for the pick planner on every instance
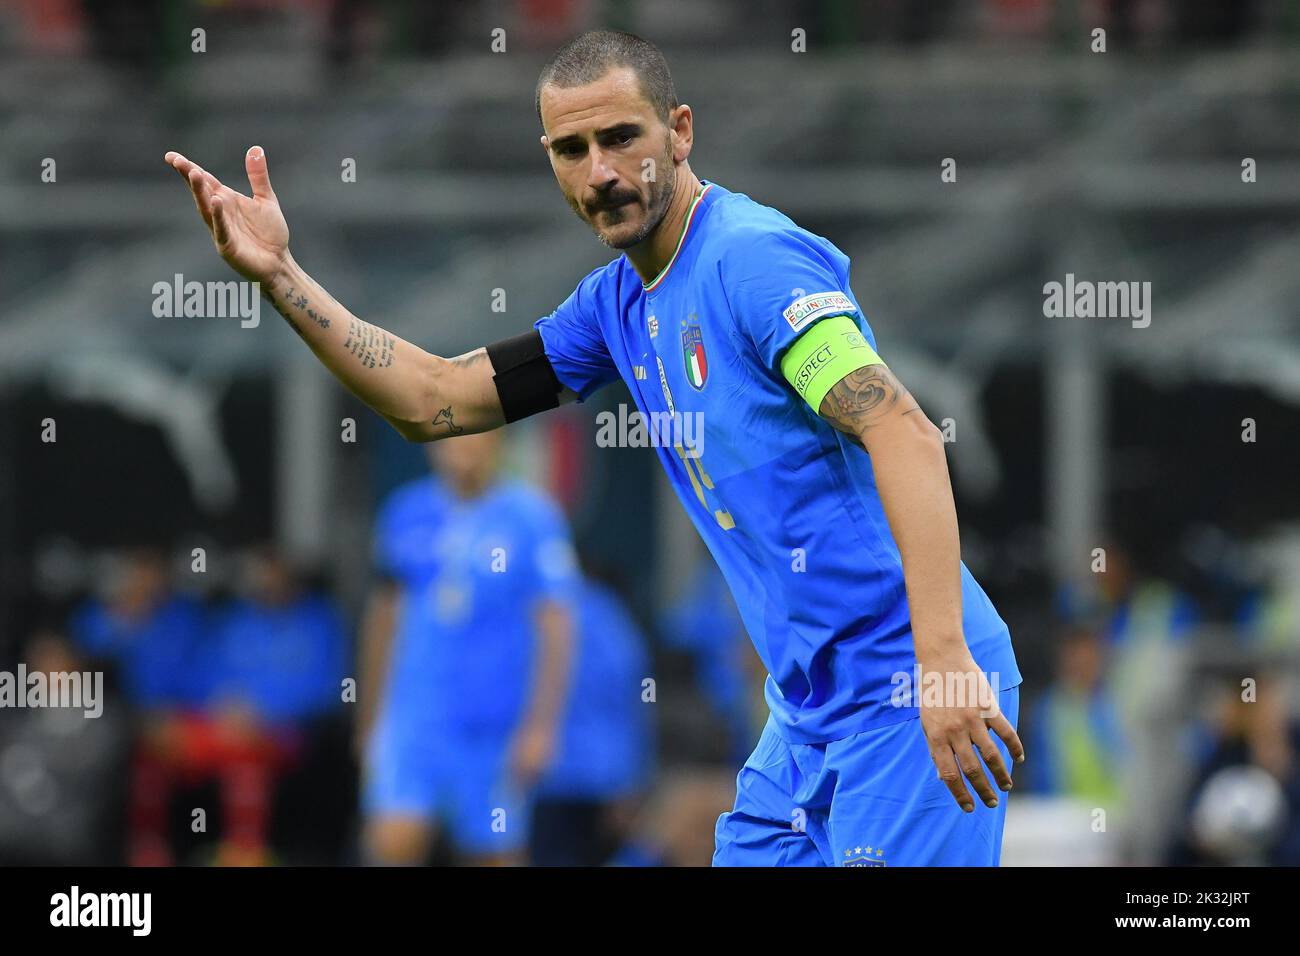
(820, 487)
(481, 574)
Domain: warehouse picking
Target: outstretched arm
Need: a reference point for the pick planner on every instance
(423, 396)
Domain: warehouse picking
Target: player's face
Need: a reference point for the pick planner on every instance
(468, 462)
(599, 138)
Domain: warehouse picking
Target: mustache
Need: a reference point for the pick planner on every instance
(612, 200)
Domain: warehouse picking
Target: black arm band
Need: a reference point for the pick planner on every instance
(525, 381)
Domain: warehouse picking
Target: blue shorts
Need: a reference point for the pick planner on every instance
(457, 780)
(872, 799)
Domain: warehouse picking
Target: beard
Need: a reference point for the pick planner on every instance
(661, 195)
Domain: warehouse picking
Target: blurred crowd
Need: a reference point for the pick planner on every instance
(354, 32)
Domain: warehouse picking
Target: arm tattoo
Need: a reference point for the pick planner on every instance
(444, 417)
(283, 309)
(863, 399)
(373, 347)
(296, 300)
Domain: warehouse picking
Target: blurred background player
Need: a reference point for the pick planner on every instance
(244, 681)
(604, 757)
(278, 659)
(152, 638)
(477, 610)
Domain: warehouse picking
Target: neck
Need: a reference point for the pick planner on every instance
(470, 488)
(649, 256)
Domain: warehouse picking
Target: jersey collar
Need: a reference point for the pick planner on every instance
(686, 227)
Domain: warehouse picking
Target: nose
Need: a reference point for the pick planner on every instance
(600, 175)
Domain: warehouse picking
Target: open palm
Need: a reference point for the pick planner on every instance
(249, 231)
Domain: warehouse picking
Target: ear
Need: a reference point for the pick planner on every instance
(546, 144)
(682, 123)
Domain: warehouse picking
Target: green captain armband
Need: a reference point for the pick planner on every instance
(823, 355)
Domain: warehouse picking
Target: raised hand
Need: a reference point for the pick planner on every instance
(249, 231)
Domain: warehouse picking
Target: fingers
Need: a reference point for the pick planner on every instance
(198, 186)
(185, 167)
(949, 773)
(956, 758)
(974, 770)
(993, 759)
(220, 230)
(1002, 727)
(202, 183)
(258, 177)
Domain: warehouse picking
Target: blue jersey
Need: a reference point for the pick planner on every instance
(472, 573)
(286, 662)
(405, 531)
(161, 654)
(787, 504)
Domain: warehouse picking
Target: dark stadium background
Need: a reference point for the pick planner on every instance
(1071, 434)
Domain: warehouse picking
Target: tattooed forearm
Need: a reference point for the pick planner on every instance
(864, 398)
(444, 417)
(285, 313)
(299, 301)
(373, 347)
(296, 301)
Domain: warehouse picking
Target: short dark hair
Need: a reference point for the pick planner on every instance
(588, 57)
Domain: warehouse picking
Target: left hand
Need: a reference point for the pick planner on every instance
(956, 729)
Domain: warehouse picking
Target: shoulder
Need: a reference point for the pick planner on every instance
(744, 235)
(414, 495)
(610, 280)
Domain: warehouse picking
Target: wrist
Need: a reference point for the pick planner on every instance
(940, 646)
(285, 272)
